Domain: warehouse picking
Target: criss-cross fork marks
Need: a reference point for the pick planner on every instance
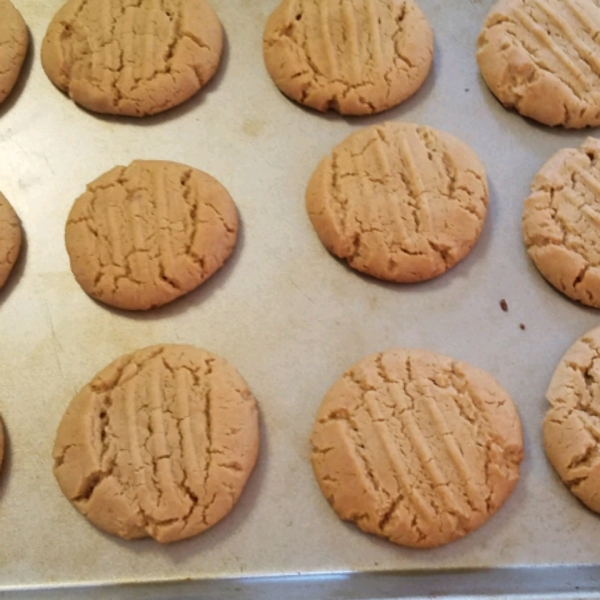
(422, 448)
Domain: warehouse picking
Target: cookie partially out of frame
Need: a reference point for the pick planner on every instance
(14, 41)
(132, 59)
(399, 201)
(572, 422)
(160, 443)
(561, 222)
(10, 239)
(415, 447)
(542, 57)
(354, 56)
(143, 235)
(2, 442)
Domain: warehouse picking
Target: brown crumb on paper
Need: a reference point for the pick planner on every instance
(522, 326)
(503, 305)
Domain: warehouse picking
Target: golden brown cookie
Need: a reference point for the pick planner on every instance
(130, 58)
(561, 222)
(417, 448)
(148, 233)
(160, 443)
(354, 56)
(542, 57)
(10, 239)
(572, 424)
(14, 40)
(399, 201)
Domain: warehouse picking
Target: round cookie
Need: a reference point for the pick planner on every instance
(399, 201)
(10, 239)
(417, 448)
(541, 57)
(356, 57)
(14, 41)
(143, 235)
(160, 443)
(132, 59)
(572, 423)
(561, 222)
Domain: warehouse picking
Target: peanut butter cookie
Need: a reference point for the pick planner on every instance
(571, 426)
(148, 233)
(561, 222)
(417, 448)
(160, 443)
(399, 201)
(542, 57)
(10, 239)
(14, 41)
(354, 56)
(132, 58)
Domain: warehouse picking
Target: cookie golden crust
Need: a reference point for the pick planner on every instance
(541, 57)
(417, 448)
(148, 233)
(10, 239)
(132, 58)
(14, 41)
(356, 57)
(160, 443)
(561, 222)
(399, 201)
(572, 423)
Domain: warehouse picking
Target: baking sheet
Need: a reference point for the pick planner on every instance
(285, 313)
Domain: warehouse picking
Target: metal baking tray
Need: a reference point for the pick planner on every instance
(291, 319)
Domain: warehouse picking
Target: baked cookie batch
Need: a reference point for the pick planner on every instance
(408, 444)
